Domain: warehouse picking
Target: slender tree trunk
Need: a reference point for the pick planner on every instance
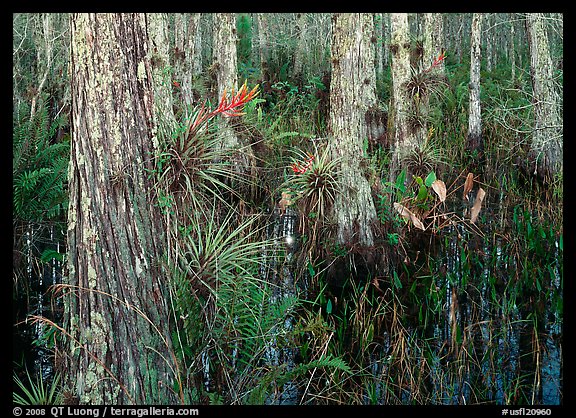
(44, 39)
(474, 141)
(301, 48)
(379, 34)
(433, 39)
(433, 45)
(187, 55)
(264, 46)
(225, 61)
(488, 39)
(547, 138)
(404, 139)
(116, 310)
(352, 93)
(512, 48)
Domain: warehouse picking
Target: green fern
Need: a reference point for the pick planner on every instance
(39, 168)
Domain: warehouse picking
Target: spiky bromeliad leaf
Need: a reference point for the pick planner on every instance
(315, 184)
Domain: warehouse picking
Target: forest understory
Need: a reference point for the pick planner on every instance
(288, 209)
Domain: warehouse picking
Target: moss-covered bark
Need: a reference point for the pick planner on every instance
(226, 67)
(116, 311)
(400, 48)
(352, 94)
(547, 137)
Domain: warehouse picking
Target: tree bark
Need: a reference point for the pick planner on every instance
(301, 49)
(547, 137)
(226, 65)
(512, 49)
(264, 46)
(187, 55)
(404, 140)
(489, 40)
(352, 94)
(162, 74)
(116, 310)
(433, 39)
(44, 39)
(474, 141)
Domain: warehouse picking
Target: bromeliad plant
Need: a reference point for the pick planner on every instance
(314, 182)
(192, 162)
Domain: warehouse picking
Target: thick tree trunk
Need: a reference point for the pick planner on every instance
(547, 138)
(474, 141)
(116, 311)
(352, 94)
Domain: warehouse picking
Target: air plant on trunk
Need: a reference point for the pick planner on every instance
(314, 187)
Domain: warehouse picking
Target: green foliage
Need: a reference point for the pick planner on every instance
(193, 166)
(315, 189)
(36, 392)
(293, 108)
(244, 31)
(218, 281)
(39, 166)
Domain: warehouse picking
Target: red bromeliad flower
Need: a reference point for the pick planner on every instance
(437, 61)
(237, 101)
(298, 168)
(228, 107)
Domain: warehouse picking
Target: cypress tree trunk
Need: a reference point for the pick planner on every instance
(301, 49)
(187, 54)
(162, 73)
(547, 137)
(352, 93)
(116, 310)
(489, 39)
(433, 39)
(404, 139)
(226, 67)
(512, 49)
(474, 141)
(264, 47)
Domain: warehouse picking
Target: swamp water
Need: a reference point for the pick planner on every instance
(482, 315)
(481, 312)
(33, 340)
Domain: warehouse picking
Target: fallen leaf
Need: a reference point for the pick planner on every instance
(440, 188)
(408, 215)
(468, 184)
(477, 205)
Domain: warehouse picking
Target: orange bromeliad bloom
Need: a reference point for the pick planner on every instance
(237, 101)
(228, 107)
(436, 62)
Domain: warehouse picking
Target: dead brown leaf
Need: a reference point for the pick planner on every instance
(408, 215)
(440, 188)
(468, 184)
(477, 205)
